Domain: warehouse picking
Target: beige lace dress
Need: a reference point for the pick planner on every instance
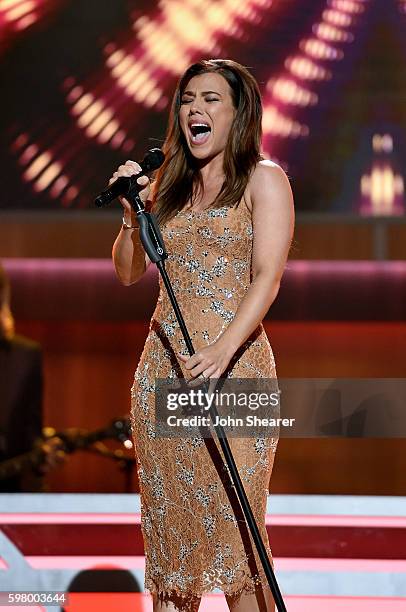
(195, 536)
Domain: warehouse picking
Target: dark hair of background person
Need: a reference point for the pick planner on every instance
(179, 178)
(4, 286)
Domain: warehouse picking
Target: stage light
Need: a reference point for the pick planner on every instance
(18, 15)
(118, 139)
(46, 178)
(59, 185)
(382, 189)
(306, 69)
(347, 6)
(94, 109)
(19, 9)
(131, 75)
(37, 165)
(283, 90)
(273, 122)
(331, 33)
(337, 18)
(19, 142)
(105, 118)
(320, 50)
(382, 143)
(290, 92)
(30, 152)
(82, 103)
(381, 186)
(70, 195)
(74, 93)
(93, 116)
(169, 41)
(41, 167)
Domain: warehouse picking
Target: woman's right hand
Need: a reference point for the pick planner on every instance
(128, 169)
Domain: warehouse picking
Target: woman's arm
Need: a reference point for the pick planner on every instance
(129, 257)
(273, 225)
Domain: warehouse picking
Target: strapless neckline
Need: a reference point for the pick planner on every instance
(194, 212)
(190, 211)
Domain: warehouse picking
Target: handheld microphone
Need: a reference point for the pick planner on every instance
(124, 184)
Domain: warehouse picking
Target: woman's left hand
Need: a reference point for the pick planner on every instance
(210, 361)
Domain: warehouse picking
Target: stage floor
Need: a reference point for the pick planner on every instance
(330, 552)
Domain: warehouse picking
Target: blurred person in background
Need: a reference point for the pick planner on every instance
(21, 402)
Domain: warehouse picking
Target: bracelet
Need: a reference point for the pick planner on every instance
(126, 226)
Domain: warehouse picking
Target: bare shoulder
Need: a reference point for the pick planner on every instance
(273, 220)
(268, 180)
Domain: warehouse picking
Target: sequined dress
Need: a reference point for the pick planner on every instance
(195, 537)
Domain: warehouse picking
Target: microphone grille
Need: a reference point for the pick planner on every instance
(153, 160)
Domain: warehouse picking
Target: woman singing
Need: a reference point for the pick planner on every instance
(227, 218)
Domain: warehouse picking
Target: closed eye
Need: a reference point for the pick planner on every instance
(207, 100)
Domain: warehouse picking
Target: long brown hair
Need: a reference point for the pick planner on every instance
(178, 177)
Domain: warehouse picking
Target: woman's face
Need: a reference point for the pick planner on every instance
(206, 114)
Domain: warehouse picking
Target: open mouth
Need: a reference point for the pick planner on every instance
(200, 132)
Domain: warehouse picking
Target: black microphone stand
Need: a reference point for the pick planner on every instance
(153, 243)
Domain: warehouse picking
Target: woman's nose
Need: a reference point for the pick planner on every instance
(195, 107)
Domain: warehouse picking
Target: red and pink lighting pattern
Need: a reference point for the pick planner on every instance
(18, 15)
(96, 117)
(44, 168)
(382, 187)
(109, 106)
(112, 104)
(157, 49)
(289, 90)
